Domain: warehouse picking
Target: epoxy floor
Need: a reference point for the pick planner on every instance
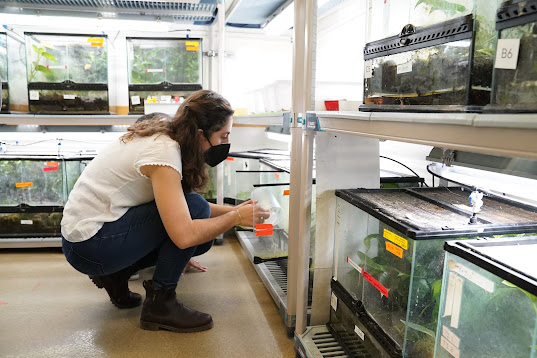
(47, 309)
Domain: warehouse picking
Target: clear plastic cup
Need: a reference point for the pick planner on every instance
(267, 201)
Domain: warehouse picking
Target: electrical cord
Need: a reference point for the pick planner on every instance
(398, 162)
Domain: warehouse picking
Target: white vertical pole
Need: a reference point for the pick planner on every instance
(220, 89)
(297, 111)
(301, 162)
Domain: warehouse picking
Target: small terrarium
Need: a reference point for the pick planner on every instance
(352, 334)
(489, 299)
(33, 191)
(440, 61)
(390, 256)
(31, 181)
(388, 17)
(67, 74)
(162, 70)
(515, 73)
(4, 108)
(243, 170)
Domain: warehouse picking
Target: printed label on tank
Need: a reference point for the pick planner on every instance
(286, 192)
(52, 164)
(50, 169)
(450, 348)
(96, 39)
(359, 332)
(354, 264)
(396, 239)
(56, 67)
(333, 301)
(135, 100)
(24, 185)
(507, 54)
(472, 276)
(34, 95)
(27, 222)
(450, 336)
(404, 68)
(368, 69)
(148, 70)
(69, 96)
(394, 249)
(453, 299)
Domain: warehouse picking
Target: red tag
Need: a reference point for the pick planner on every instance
(286, 192)
(49, 169)
(375, 283)
(276, 175)
(230, 159)
(263, 229)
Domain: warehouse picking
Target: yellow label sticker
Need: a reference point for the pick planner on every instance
(394, 249)
(24, 185)
(396, 239)
(192, 48)
(192, 43)
(96, 44)
(96, 39)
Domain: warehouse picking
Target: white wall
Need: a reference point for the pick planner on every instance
(340, 44)
(258, 71)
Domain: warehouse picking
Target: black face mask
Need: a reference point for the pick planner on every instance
(216, 154)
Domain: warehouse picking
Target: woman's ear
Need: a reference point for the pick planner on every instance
(200, 132)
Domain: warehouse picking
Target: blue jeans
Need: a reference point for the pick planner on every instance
(138, 239)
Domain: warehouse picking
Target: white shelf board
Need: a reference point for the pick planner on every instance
(508, 135)
(67, 120)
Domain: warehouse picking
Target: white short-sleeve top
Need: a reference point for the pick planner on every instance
(112, 183)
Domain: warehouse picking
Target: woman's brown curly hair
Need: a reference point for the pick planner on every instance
(205, 110)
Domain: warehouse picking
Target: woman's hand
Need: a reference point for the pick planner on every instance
(251, 214)
(195, 264)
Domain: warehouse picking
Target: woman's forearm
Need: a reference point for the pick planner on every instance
(217, 210)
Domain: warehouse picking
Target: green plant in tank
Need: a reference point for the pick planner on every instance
(42, 54)
(447, 7)
(88, 66)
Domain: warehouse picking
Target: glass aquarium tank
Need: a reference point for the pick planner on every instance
(67, 74)
(31, 181)
(4, 108)
(74, 166)
(389, 253)
(249, 161)
(162, 70)
(33, 191)
(345, 325)
(515, 82)
(441, 61)
(489, 299)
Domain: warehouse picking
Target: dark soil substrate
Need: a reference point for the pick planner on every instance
(408, 208)
(43, 223)
(56, 105)
(477, 97)
(491, 210)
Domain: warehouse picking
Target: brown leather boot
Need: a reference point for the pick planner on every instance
(161, 310)
(117, 287)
